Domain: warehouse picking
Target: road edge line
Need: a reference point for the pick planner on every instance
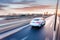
(12, 32)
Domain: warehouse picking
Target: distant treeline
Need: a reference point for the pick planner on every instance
(25, 15)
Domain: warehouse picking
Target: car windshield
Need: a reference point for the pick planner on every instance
(36, 19)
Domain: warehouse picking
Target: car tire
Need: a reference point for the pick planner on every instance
(44, 24)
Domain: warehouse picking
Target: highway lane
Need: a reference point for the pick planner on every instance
(7, 21)
(13, 25)
(29, 33)
(12, 20)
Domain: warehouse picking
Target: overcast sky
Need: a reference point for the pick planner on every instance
(11, 6)
(6, 4)
(31, 1)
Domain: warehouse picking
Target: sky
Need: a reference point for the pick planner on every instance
(26, 4)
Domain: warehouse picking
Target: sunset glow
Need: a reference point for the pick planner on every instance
(38, 11)
(27, 6)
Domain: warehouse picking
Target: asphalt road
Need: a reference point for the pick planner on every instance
(13, 25)
(11, 20)
(29, 33)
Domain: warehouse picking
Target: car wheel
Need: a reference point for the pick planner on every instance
(44, 24)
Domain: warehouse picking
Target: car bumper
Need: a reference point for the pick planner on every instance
(35, 25)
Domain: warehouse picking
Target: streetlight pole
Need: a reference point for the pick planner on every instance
(56, 14)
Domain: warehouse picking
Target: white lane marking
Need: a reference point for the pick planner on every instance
(13, 22)
(12, 32)
(12, 26)
(24, 38)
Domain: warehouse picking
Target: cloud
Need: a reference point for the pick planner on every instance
(33, 8)
(5, 1)
(1, 9)
(3, 5)
(16, 1)
(26, 3)
(18, 6)
(21, 1)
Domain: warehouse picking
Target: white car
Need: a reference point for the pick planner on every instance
(37, 22)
